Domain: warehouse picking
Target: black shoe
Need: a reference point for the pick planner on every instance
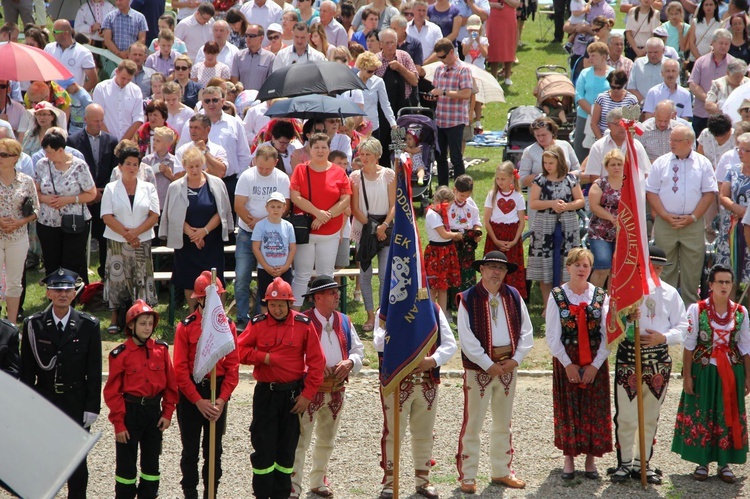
(592, 475)
(568, 476)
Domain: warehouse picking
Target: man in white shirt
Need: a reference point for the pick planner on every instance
(344, 352)
(253, 188)
(663, 322)
(613, 138)
(228, 132)
(671, 90)
(122, 101)
(142, 77)
(300, 51)
(491, 360)
(196, 30)
(335, 32)
(227, 52)
(74, 56)
(680, 188)
(262, 12)
(427, 32)
(198, 129)
(256, 119)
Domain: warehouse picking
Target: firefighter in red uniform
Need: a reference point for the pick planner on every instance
(285, 350)
(141, 393)
(195, 411)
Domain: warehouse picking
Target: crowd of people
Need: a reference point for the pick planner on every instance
(171, 148)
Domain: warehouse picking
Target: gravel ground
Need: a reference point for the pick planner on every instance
(354, 469)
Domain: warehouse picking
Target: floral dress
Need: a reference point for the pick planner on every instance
(541, 250)
(712, 424)
(731, 249)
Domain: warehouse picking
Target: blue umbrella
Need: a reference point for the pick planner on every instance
(557, 239)
(314, 106)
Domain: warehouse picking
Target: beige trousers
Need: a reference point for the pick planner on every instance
(419, 405)
(686, 248)
(323, 417)
(481, 391)
(626, 423)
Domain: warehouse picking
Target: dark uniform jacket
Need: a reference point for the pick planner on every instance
(74, 384)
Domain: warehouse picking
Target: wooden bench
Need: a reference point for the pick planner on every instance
(230, 275)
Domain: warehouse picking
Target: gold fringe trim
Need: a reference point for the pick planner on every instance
(422, 294)
(407, 369)
(618, 317)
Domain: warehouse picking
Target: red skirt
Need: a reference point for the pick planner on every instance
(441, 265)
(506, 232)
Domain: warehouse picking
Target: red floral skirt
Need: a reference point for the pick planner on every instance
(441, 265)
(507, 232)
(583, 421)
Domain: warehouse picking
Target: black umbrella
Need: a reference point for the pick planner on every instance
(309, 78)
(306, 107)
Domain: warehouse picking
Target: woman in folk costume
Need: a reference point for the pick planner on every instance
(711, 420)
(576, 336)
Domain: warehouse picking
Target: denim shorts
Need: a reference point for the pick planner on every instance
(603, 251)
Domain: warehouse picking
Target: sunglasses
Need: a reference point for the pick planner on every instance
(616, 87)
(59, 31)
(441, 57)
(537, 125)
(215, 100)
(408, 14)
(250, 35)
(7, 155)
(181, 68)
(274, 37)
(596, 30)
(370, 71)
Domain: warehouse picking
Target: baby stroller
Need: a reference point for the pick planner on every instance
(555, 90)
(518, 132)
(420, 119)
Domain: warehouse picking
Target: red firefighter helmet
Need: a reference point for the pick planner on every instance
(139, 308)
(202, 282)
(279, 289)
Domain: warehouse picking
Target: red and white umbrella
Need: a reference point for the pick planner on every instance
(24, 63)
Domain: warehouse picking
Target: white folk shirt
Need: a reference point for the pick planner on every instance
(695, 177)
(691, 338)
(554, 327)
(472, 347)
(122, 106)
(442, 353)
(332, 349)
(463, 217)
(664, 311)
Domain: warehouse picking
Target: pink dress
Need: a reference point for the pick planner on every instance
(501, 32)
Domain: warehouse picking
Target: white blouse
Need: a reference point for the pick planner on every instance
(691, 340)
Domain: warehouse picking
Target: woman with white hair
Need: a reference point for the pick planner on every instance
(722, 87)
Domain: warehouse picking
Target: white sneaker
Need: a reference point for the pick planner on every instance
(508, 82)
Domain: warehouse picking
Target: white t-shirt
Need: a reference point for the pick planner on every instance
(257, 189)
(481, 41)
(433, 220)
(574, 6)
(463, 217)
(274, 241)
(509, 203)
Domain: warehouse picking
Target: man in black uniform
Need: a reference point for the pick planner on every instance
(61, 358)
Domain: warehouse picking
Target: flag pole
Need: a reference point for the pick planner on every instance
(396, 437)
(639, 396)
(212, 424)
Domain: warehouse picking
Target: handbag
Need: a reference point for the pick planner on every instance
(69, 223)
(373, 221)
(27, 207)
(302, 222)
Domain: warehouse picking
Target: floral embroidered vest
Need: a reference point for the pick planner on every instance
(705, 346)
(568, 321)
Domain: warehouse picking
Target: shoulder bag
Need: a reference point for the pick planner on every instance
(70, 223)
(302, 222)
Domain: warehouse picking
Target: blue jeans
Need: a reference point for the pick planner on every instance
(244, 266)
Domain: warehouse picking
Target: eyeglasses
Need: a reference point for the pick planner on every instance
(616, 87)
(59, 31)
(215, 100)
(181, 68)
(250, 35)
(5, 155)
(273, 37)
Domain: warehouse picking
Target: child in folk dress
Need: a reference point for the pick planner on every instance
(463, 216)
(440, 256)
(505, 219)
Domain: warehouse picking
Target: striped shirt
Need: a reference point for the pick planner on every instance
(607, 104)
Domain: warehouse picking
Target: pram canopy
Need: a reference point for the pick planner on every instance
(554, 85)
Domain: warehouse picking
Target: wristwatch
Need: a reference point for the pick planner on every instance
(445, 92)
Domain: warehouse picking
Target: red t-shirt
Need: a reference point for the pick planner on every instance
(327, 188)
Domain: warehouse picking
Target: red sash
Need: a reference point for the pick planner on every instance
(584, 346)
(720, 352)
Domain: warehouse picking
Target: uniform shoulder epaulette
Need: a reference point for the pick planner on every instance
(258, 318)
(302, 318)
(190, 318)
(117, 350)
(89, 317)
(9, 324)
(162, 343)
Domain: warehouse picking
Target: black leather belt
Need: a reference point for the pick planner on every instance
(134, 399)
(281, 387)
